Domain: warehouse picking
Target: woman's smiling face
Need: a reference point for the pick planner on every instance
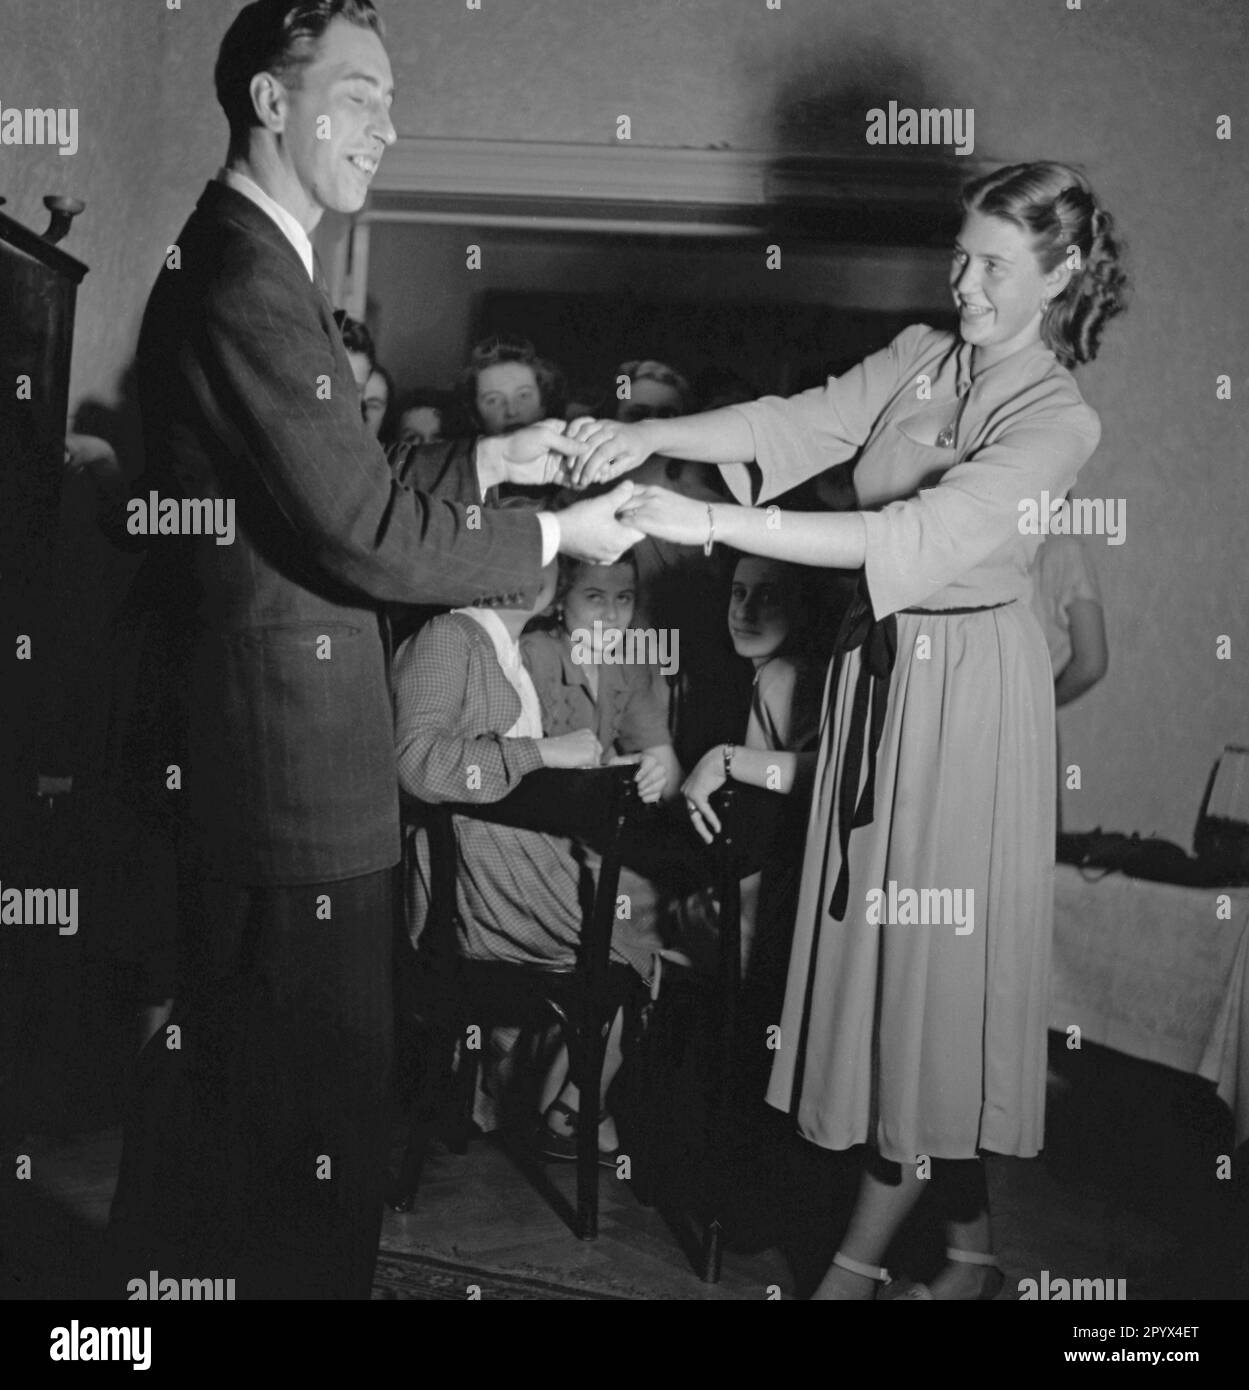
(998, 285)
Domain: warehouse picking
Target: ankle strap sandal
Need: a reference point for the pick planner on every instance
(874, 1272)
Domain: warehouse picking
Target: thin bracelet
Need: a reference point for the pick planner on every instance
(711, 531)
(727, 754)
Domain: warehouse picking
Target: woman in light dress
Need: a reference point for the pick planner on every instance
(915, 1013)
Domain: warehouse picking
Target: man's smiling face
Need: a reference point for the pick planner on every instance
(337, 120)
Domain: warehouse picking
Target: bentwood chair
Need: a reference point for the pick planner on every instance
(594, 807)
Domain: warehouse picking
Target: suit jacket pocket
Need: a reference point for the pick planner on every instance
(295, 753)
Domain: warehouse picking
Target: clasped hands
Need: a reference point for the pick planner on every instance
(587, 453)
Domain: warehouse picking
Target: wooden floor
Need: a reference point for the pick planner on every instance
(1126, 1189)
(1130, 1186)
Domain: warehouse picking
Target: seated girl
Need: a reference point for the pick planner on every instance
(584, 679)
(582, 686)
(772, 622)
(468, 728)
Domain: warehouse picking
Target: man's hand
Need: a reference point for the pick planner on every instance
(590, 531)
(536, 456)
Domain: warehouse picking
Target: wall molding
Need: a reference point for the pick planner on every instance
(646, 174)
(571, 172)
(639, 190)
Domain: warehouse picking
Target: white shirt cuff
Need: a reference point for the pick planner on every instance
(487, 455)
(550, 536)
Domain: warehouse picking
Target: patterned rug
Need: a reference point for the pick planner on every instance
(406, 1277)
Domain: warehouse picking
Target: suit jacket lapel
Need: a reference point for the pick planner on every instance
(318, 279)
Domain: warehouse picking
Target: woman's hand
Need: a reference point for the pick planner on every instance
(652, 777)
(611, 448)
(578, 749)
(667, 516)
(707, 777)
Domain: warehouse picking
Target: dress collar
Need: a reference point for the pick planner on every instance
(1034, 350)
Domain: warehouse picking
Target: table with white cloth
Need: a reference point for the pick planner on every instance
(1151, 970)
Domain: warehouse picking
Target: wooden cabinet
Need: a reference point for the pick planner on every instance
(38, 289)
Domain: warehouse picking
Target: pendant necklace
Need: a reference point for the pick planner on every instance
(949, 434)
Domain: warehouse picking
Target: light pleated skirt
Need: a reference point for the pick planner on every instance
(924, 1037)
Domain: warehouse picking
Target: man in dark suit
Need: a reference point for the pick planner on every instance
(256, 1147)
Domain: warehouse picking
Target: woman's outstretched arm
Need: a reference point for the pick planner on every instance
(792, 439)
(826, 540)
(716, 436)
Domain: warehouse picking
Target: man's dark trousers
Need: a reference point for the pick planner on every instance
(256, 1143)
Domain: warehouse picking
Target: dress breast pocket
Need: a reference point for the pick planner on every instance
(898, 466)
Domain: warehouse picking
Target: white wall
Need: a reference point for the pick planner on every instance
(1132, 90)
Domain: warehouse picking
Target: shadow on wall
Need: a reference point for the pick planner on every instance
(829, 183)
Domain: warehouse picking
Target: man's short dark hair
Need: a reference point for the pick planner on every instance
(281, 37)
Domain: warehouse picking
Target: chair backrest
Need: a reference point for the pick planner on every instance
(728, 806)
(756, 827)
(592, 806)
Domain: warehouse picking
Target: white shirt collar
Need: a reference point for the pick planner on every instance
(507, 653)
(506, 647)
(289, 226)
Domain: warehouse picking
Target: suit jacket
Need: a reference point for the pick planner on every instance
(247, 394)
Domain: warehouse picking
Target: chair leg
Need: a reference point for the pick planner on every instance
(586, 1051)
(403, 1189)
(644, 1150)
(729, 988)
(428, 1116)
(464, 1091)
(713, 1251)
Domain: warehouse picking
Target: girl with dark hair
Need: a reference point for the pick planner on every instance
(507, 386)
(773, 612)
(915, 1012)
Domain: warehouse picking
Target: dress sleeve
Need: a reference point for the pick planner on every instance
(1079, 575)
(435, 755)
(917, 546)
(798, 437)
(784, 712)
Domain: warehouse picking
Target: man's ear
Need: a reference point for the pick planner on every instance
(269, 101)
